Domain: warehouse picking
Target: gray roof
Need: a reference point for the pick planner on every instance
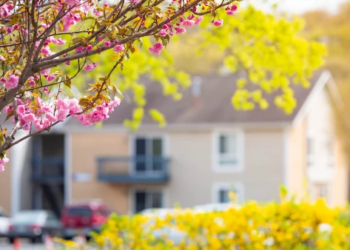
(214, 104)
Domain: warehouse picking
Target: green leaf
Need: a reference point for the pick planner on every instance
(157, 117)
(68, 82)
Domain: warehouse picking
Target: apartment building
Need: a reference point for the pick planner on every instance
(207, 150)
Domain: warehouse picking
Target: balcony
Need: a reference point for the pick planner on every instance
(133, 170)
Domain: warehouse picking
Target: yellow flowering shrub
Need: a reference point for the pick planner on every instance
(287, 225)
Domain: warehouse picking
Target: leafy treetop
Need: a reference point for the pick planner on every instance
(39, 35)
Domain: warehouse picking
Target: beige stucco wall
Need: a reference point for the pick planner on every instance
(296, 160)
(191, 168)
(340, 182)
(193, 178)
(86, 147)
(5, 187)
(326, 166)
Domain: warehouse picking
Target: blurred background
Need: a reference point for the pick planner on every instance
(181, 138)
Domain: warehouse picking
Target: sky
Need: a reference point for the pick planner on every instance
(300, 6)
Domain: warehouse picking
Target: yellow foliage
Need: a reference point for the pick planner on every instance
(287, 225)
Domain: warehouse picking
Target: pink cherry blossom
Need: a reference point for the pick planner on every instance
(51, 77)
(3, 161)
(62, 104)
(46, 123)
(163, 32)
(26, 126)
(74, 106)
(97, 13)
(58, 41)
(29, 117)
(31, 82)
(188, 23)
(12, 82)
(218, 22)
(38, 125)
(107, 43)
(62, 114)
(45, 72)
(156, 49)
(20, 110)
(72, 2)
(90, 67)
(8, 109)
(89, 47)
(50, 117)
(79, 49)
(45, 108)
(46, 51)
(118, 48)
(199, 20)
(180, 30)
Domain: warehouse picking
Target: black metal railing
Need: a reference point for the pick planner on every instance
(135, 169)
(48, 169)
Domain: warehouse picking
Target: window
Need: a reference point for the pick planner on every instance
(330, 152)
(147, 199)
(224, 196)
(149, 154)
(320, 190)
(310, 151)
(222, 192)
(228, 151)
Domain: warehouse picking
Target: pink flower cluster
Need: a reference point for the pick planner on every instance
(118, 48)
(46, 73)
(53, 40)
(218, 22)
(90, 67)
(72, 2)
(231, 10)
(69, 20)
(43, 115)
(98, 114)
(5, 10)
(168, 29)
(11, 82)
(156, 49)
(3, 161)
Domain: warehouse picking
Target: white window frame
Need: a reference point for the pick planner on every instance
(314, 190)
(310, 158)
(330, 158)
(133, 190)
(132, 139)
(240, 151)
(239, 186)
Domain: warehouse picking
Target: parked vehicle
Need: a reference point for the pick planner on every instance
(4, 223)
(34, 225)
(84, 218)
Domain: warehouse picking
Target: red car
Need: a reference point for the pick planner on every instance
(82, 219)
